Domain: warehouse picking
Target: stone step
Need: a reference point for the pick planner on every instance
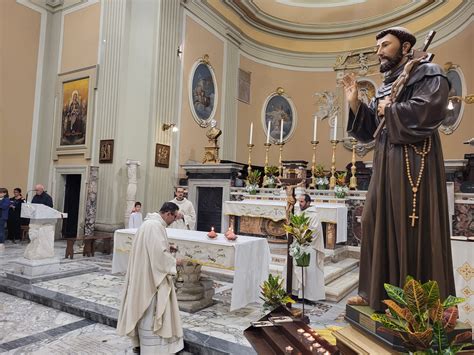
(332, 271)
(341, 287)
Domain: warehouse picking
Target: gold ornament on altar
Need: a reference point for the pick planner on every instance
(211, 152)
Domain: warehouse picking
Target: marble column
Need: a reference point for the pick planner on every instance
(132, 167)
(165, 106)
(91, 201)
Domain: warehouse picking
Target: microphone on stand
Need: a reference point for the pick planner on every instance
(27, 192)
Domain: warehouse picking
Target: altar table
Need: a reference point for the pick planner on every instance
(249, 257)
(335, 213)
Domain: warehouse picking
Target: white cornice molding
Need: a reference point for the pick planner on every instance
(277, 57)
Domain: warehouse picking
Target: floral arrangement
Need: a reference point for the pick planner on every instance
(341, 191)
(270, 180)
(253, 179)
(322, 181)
(417, 316)
(319, 171)
(302, 238)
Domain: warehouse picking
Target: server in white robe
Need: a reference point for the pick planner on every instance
(136, 217)
(186, 218)
(149, 312)
(313, 274)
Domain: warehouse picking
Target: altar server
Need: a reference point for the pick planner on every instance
(186, 218)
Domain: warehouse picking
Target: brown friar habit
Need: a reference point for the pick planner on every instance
(391, 248)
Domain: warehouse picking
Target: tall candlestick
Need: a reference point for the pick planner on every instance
(249, 168)
(268, 131)
(313, 165)
(251, 133)
(335, 129)
(281, 131)
(314, 127)
(332, 179)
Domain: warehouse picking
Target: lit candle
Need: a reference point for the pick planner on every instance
(281, 131)
(288, 349)
(335, 128)
(251, 133)
(268, 131)
(311, 339)
(306, 335)
(314, 127)
(300, 331)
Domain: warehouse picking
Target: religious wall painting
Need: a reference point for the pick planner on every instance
(203, 92)
(74, 113)
(106, 151)
(455, 107)
(279, 109)
(244, 86)
(73, 122)
(162, 155)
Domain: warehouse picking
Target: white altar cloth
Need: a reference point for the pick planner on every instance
(463, 266)
(276, 211)
(249, 257)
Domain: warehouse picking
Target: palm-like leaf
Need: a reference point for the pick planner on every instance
(387, 322)
(415, 297)
(396, 294)
(436, 312)
(431, 290)
(450, 316)
(421, 340)
(453, 301)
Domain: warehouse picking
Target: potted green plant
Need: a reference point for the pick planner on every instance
(322, 181)
(341, 189)
(417, 316)
(253, 179)
(273, 294)
(269, 180)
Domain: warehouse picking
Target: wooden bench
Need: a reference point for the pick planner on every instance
(89, 244)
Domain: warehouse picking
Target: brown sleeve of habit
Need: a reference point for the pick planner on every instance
(412, 120)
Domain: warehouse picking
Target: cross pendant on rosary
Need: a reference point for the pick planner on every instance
(413, 217)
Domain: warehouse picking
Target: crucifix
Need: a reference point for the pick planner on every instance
(413, 217)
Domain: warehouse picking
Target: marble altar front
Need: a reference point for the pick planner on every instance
(248, 257)
(332, 213)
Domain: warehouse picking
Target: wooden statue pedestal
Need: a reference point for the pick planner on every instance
(359, 318)
(275, 339)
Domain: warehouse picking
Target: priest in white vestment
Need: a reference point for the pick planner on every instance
(149, 312)
(313, 274)
(186, 218)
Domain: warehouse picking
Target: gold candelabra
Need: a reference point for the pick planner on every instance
(353, 179)
(332, 180)
(313, 165)
(249, 168)
(267, 148)
(280, 164)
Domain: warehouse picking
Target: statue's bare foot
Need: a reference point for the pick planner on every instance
(357, 301)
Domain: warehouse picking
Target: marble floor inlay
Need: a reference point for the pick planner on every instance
(104, 289)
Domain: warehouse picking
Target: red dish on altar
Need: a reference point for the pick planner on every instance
(212, 234)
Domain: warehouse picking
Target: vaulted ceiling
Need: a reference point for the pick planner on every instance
(307, 26)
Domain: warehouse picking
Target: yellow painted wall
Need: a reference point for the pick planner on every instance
(18, 25)
(198, 42)
(81, 38)
(300, 87)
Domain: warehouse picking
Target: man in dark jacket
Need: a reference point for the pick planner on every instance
(42, 196)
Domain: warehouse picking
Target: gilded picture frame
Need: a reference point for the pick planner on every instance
(74, 112)
(106, 151)
(203, 93)
(455, 112)
(276, 107)
(162, 155)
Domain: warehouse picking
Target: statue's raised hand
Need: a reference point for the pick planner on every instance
(352, 94)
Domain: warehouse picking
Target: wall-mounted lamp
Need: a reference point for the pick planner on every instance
(167, 126)
(179, 52)
(468, 99)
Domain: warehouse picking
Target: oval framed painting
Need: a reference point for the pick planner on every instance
(277, 109)
(203, 92)
(456, 107)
